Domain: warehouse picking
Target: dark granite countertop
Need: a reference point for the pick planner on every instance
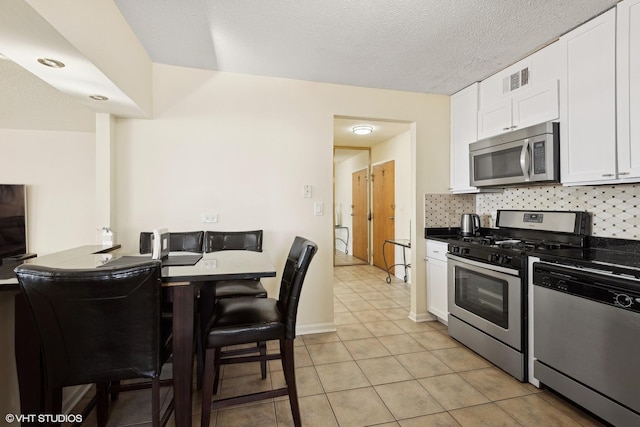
(447, 234)
(618, 256)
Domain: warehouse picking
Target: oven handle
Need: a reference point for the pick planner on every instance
(491, 267)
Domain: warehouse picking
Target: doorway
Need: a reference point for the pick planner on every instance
(354, 234)
(351, 202)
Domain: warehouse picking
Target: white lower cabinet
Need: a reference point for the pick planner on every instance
(437, 279)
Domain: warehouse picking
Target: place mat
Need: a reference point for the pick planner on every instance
(170, 261)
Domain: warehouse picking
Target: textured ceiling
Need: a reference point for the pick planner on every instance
(430, 46)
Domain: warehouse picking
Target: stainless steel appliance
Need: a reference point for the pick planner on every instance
(523, 156)
(469, 224)
(587, 336)
(487, 292)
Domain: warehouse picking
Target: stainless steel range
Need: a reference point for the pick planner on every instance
(487, 281)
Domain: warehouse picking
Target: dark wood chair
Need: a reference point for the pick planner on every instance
(182, 241)
(102, 326)
(224, 241)
(238, 321)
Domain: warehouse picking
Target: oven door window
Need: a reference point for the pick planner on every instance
(485, 296)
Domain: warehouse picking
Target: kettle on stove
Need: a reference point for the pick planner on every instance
(469, 224)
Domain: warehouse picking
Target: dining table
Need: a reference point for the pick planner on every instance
(182, 280)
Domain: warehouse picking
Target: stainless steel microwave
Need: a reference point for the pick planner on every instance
(524, 156)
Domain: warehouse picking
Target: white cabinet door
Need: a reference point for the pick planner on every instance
(588, 110)
(495, 119)
(437, 279)
(628, 85)
(537, 104)
(464, 130)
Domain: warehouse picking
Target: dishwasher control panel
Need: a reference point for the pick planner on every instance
(616, 291)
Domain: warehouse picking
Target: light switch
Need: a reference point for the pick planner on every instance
(318, 208)
(306, 192)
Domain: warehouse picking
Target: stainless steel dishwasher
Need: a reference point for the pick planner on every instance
(587, 338)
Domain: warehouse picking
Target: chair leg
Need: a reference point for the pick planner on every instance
(102, 406)
(216, 367)
(155, 402)
(53, 403)
(263, 363)
(115, 392)
(289, 367)
(210, 370)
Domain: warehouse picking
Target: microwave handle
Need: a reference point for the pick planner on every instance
(525, 159)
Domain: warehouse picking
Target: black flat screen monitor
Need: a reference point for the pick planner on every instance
(13, 215)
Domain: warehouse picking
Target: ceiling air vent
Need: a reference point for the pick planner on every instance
(515, 80)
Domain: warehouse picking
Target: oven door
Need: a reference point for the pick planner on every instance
(487, 297)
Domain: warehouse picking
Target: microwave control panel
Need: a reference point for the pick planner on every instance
(539, 158)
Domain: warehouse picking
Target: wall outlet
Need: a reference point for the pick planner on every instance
(306, 191)
(209, 218)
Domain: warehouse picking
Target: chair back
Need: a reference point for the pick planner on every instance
(233, 240)
(184, 241)
(96, 325)
(295, 270)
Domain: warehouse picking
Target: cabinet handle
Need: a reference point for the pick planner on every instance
(513, 127)
(623, 173)
(436, 252)
(506, 128)
(607, 174)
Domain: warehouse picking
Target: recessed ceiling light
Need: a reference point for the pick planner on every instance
(362, 130)
(53, 63)
(98, 97)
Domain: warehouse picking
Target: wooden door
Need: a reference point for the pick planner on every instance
(383, 213)
(359, 213)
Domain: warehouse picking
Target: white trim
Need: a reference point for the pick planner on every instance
(424, 317)
(315, 329)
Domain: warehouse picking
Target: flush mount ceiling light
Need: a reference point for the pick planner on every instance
(362, 130)
(53, 63)
(98, 97)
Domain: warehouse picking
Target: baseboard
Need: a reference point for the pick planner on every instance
(72, 395)
(315, 329)
(422, 317)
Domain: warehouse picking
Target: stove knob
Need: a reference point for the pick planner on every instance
(492, 258)
(455, 249)
(624, 300)
(504, 259)
(464, 251)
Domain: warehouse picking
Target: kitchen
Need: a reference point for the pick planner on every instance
(322, 190)
(555, 274)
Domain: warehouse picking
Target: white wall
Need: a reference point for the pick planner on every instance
(237, 145)
(398, 149)
(243, 147)
(59, 170)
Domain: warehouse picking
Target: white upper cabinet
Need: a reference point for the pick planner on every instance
(521, 95)
(464, 131)
(587, 102)
(628, 89)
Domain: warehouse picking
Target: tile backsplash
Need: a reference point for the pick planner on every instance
(615, 209)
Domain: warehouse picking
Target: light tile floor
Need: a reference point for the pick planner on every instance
(379, 369)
